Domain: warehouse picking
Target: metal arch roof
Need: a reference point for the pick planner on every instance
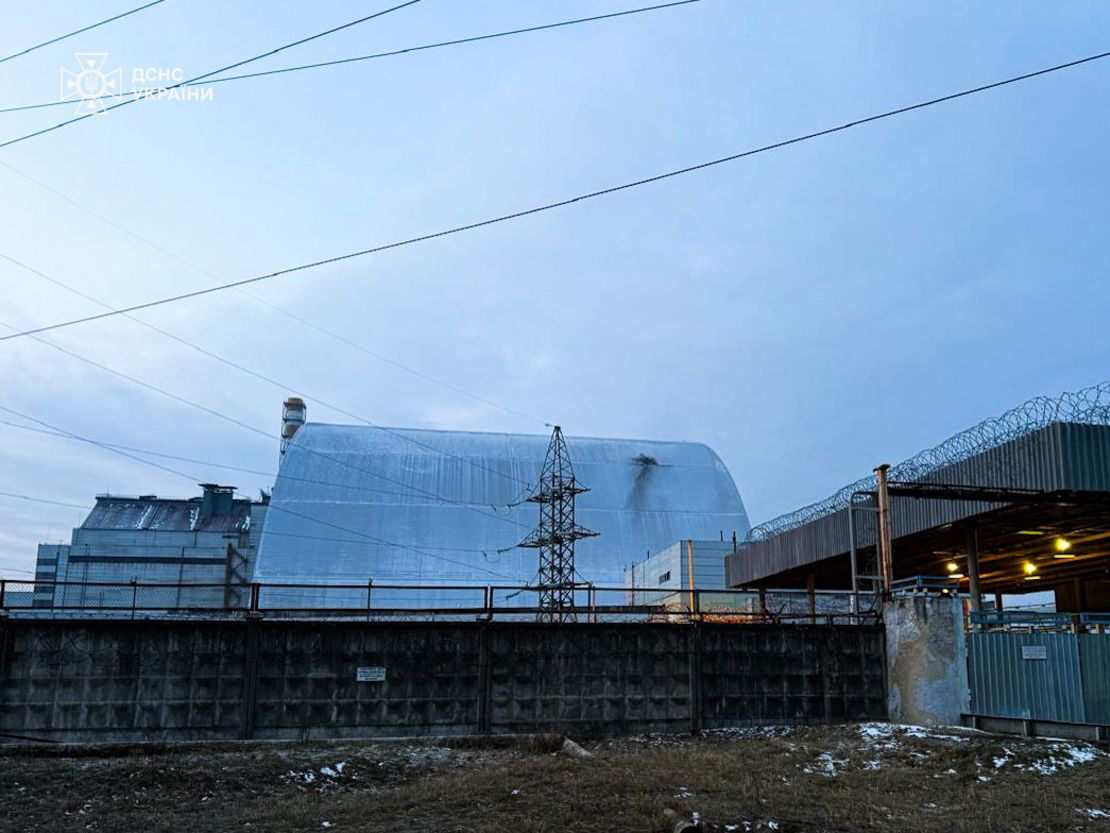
(345, 496)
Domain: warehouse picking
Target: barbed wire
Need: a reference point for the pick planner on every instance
(1089, 406)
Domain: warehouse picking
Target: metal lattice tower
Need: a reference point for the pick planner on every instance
(557, 532)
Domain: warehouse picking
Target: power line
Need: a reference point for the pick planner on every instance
(108, 446)
(272, 507)
(278, 309)
(197, 78)
(42, 500)
(255, 430)
(91, 26)
(268, 380)
(211, 464)
(376, 55)
(516, 215)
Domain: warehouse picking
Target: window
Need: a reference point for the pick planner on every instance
(663, 579)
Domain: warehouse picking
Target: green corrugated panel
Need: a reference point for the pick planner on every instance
(1094, 664)
(1005, 682)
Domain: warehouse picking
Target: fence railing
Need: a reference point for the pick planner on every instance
(1038, 621)
(380, 602)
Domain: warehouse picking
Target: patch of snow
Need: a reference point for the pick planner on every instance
(144, 519)
(1063, 755)
(772, 824)
(826, 765)
(194, 516)
(1091, 813)
(325, 824)
(873, 765)
(515, 792)
(984, 778)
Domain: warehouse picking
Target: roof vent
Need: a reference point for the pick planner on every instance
(217, 500)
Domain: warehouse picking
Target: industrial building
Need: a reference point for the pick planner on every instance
(354, 504)
(361, 505)
(211, 540)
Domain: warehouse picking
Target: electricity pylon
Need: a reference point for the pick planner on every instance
(557, 532)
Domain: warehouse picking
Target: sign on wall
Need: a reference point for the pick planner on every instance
(1034, 652)
(370, 674)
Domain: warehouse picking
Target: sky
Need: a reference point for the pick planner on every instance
(809, 312)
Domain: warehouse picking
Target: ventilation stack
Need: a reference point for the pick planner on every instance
(293, 415)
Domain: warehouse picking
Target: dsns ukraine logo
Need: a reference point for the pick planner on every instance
(91, 84)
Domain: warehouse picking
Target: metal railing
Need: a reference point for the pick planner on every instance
(412, 602)
(1031, 621)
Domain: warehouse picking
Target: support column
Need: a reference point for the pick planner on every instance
(1079, 589)
(886, 557)
(973, 569)
(811, 592)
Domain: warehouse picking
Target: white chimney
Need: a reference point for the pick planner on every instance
(293, 415)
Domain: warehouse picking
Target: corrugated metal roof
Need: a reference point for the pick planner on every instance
(1059, 456)
(351, 502)
(164, 515)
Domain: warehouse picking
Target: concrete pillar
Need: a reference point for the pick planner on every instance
(924, 646)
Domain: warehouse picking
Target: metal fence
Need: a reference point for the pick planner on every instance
(383, 602)
(1059, 676)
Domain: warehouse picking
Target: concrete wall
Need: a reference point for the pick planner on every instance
(89, 681)
(926, 660)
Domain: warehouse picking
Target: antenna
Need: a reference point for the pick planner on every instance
(556, 533)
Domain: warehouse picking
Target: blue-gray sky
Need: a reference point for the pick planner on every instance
(808, 313)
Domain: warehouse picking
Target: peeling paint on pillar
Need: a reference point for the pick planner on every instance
(924, 646)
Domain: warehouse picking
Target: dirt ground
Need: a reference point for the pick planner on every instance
(874, 777)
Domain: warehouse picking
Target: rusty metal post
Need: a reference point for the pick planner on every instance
(886, 557)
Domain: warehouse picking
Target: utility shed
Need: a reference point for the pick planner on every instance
(354, 503)
(671, 567)
(208, 540)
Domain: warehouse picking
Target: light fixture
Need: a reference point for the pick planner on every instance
(1063, 545)
(957, 575)
(1030, 532)
(1029, 568)
(952, 566)
(1032, 578)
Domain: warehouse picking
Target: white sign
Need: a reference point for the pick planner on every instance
(370, 674)
(1034, 652)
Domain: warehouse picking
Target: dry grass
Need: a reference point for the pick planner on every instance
(759, 780)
